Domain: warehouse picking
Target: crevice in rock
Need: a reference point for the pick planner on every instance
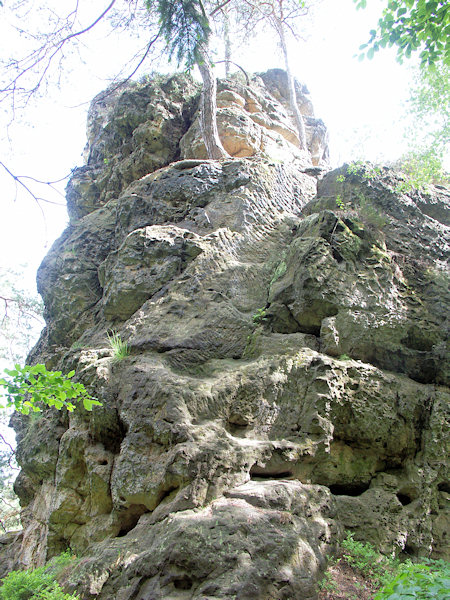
(112, 440)
(444, 487)
(283, 321)
(237, 429)
(131, 517)
(168, 492)
(257, 472)
(349, 489)
(337, 257)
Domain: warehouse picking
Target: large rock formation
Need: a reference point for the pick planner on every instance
(288, 364)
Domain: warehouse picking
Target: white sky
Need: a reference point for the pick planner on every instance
(356, 101)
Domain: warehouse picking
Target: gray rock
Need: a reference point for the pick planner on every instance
(286, 380)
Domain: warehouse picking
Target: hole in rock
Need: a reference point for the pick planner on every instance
(103, 462)
(183, 583)
(350, 489)
(237, 429)
(131, 517)
(404, 499)
(257, 472)
(409, 550)
(426, 373)
(168, 492)
(444, 487)
(113, 434)
(336, 255)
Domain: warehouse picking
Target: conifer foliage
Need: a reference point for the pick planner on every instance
(185, 27)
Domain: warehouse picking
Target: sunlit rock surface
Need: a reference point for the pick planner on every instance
(288, 360)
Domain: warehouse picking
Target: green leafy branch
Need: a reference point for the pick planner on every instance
(412, 25)
(29, 388)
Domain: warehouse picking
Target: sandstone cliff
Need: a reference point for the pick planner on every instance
(288, 368)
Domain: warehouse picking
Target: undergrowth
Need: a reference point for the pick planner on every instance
(360, 572)
(37, 584)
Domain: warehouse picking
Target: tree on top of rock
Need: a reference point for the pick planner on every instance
(284, 17)
(183, 25)
(186, 29)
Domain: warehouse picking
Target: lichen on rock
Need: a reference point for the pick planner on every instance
(287, 371)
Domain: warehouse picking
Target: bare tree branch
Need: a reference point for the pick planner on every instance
(218, 8)
(43, 57)
(247, 78)
(13, 452)
(19, 181)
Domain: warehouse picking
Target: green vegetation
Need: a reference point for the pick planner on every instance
(420, 25)
(412, 25)
(120, 348)
(423, 581)
(387, 578)
(428, 135)
(185, 27)
(28, 388)
(260, 316)
(37, 584)
(364, 169)
(339, 202)
(367, 560)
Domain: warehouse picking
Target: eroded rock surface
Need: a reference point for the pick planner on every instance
(287, 376)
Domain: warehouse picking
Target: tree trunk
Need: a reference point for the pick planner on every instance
(227, 41)
(208, 108)
(291, 87)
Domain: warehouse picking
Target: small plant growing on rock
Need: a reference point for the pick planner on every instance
(260, 316)
(339, 202)
(365, 170)
(120, 348)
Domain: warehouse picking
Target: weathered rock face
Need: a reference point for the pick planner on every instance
(287, 371)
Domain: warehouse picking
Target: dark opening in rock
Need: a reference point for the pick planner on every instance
(350, 489)
(113, 436)
(257, 472)
(131, 517)
(168, 492)
(404, 499)
(424, 372)
(444, 487)
(336, 255)
(183, 583)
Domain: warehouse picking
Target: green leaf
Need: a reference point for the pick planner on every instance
(50, 388)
